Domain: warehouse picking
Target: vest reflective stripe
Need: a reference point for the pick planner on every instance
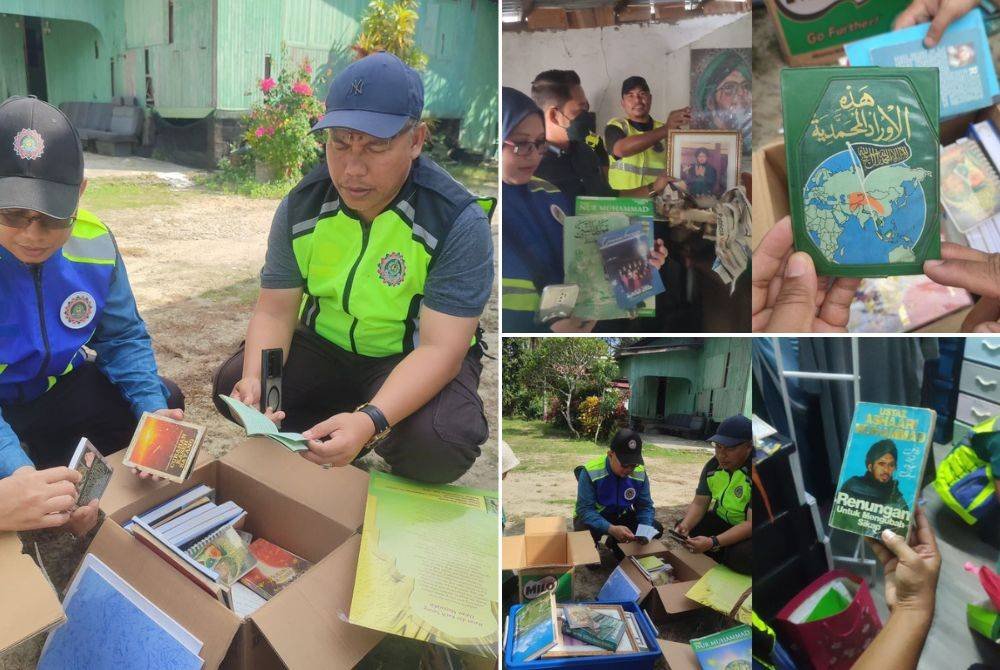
(639, 169)
(520, 295)
(537, 184)
(611, 492)
(730, 495)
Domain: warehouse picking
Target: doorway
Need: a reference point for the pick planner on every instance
(34, 58)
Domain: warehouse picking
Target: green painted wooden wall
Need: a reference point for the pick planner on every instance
(712, 379)
(219, 46)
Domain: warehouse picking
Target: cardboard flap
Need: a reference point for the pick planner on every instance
(203, 616)
(337, 493)
(125, 488)
(28, 604)
(545, 541)
(512, 552)
(580, 548)
(545, 525)
(700, 563)
(674, 597)
(679, 656)
(639, 550)
(635, 575)
(306, 623)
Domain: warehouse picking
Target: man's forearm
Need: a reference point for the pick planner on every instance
(899, 643)
(737, 533)
(694, 514)
(416, 380)
(636, 144)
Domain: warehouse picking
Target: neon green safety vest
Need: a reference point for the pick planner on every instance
(730, 494)
(365, 283)
(961, 462)
(639, 169)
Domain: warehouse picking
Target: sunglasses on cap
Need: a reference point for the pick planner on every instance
(21, 219)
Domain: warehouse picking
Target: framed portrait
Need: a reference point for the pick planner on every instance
(707, 160)
(721, 97)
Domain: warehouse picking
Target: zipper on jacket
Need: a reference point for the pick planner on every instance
(37, 276)
(365, 234)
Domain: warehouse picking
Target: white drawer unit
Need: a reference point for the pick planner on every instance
(978, 386)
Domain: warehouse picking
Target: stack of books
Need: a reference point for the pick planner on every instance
(654, 569)
(204, 541)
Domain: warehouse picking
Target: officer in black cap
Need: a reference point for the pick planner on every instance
(718, 521)
(613, 496)
(63, 286)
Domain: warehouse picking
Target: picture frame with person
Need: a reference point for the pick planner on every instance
(707, 160)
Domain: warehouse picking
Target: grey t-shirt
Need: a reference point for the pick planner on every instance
(458, 284)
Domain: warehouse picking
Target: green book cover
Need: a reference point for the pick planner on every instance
(863, 167)
(730, 648)
(882, 469)
(595, 299)
(427, 567)
(608, 633)
(821, 24)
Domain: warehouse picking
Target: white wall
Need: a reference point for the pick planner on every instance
(604, 57)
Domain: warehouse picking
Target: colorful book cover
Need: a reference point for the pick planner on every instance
(640, 211)
(606, 633)
(164, 447)
(225, 552)
(625, 255)
(726, 649)
(898, 304)
(583, 266)
(862, 151)
(883, 466)
(970, 187)
(804, 27)
(535, 630)
(962, 57)
(427, 568)
(276, 568)
(618, 588)
(95, 473)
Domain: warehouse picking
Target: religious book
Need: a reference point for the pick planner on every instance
(276, 568)
(962, 57)
(726, 649)
(903, 304)
(863, 172)
(599, 630)
(225, 552)
(882, 469)
(258, 425)
(970, 186)
(535, 629)
(163, 446)
(95, 473)
(625, 256)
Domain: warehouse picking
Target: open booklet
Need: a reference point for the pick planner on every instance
(258, 425)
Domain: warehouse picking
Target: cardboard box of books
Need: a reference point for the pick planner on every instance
(770, 197)
(662, 598)
(291, 503)
(545, 557)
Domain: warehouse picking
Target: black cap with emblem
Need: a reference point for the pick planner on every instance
(627, 446)
(41, 159)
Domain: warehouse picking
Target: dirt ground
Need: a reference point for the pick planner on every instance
(193, 262)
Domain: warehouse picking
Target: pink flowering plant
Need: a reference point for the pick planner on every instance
(278, 128)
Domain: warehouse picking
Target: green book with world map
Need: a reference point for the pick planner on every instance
(863, 167)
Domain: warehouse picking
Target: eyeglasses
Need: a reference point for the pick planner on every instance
(19, 219)
(732, 88)
(526, 148)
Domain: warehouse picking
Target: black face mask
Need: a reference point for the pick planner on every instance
(583, 125)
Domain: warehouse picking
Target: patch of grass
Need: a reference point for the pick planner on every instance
(479, 179)
(245, 292)
(543, 448)
(240, 180)
(104, 194)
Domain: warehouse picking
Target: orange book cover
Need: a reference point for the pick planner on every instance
(164, 447)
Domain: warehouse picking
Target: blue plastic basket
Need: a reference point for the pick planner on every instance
(643, 660)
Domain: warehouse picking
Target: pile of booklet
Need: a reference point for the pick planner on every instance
(204, 541)
(543, 629)
(654, 569)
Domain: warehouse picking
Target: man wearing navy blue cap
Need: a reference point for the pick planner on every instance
(378, 267)
(718, 521)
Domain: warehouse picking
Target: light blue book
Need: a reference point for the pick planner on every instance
(169, 507)
(619, 588)
(963, 59)
(111, 625)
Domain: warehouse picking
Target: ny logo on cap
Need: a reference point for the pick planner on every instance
(357, 87)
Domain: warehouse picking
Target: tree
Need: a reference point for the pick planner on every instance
(390, 26)
(567, 365)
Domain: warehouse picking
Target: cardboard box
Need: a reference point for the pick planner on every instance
(312, 512)
(545, 554)
(668, 599)
(28, 603)
(770, 201)
(679, 656)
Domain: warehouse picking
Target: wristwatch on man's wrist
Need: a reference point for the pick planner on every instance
(382, 426)
(715, 542)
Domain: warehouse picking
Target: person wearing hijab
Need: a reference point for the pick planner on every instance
(877, 484)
